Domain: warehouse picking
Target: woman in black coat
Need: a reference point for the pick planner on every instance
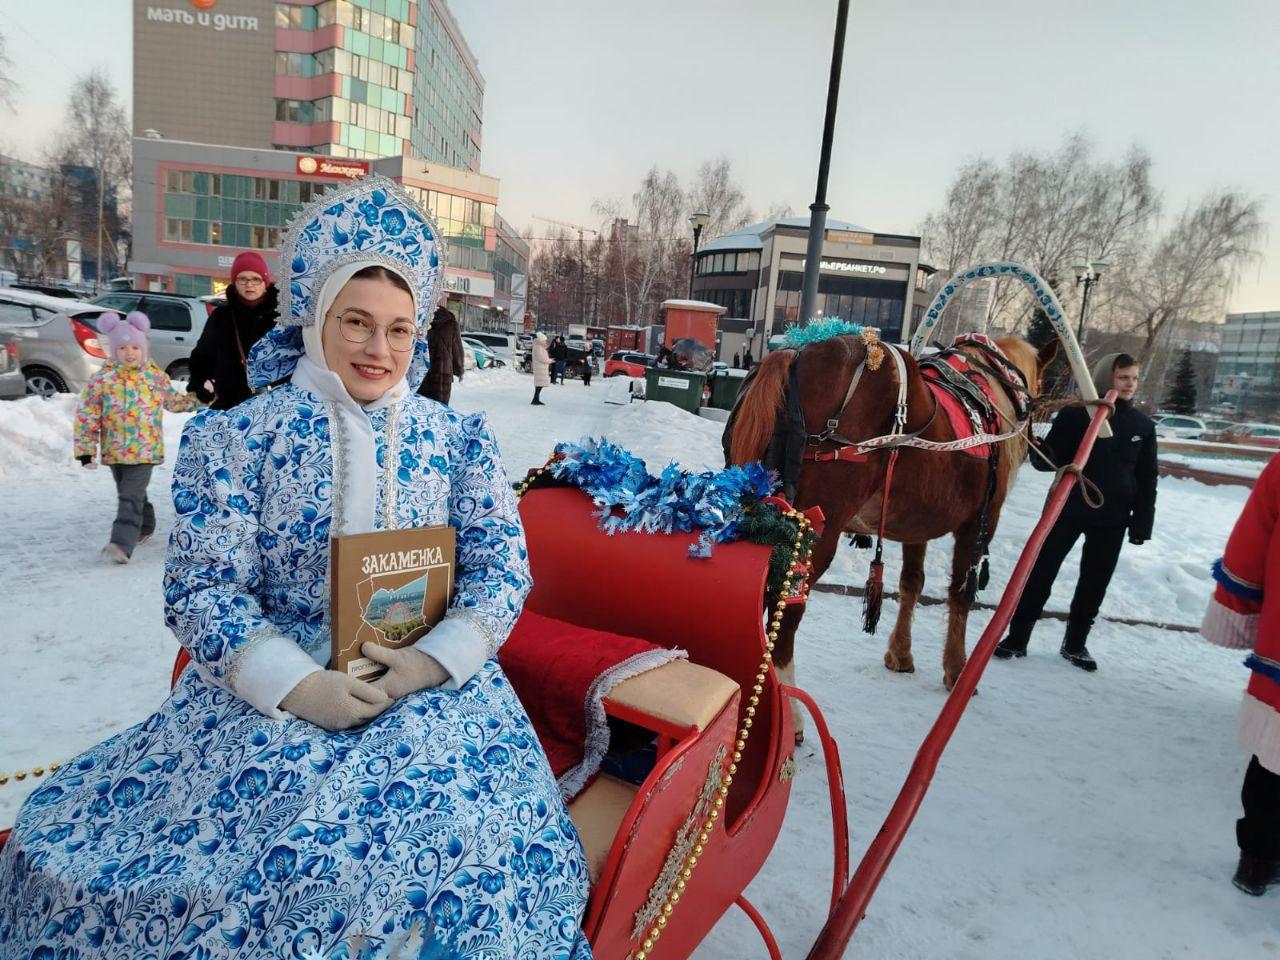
(218, 362)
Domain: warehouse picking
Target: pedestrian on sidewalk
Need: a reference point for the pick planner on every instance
(586, 370)
(1123, 468)
(120, 422)
(541, 364)
(448, 356)
(559, 356)
(218, 361)
(1244, 614)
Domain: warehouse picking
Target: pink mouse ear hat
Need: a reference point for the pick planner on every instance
(132, 329)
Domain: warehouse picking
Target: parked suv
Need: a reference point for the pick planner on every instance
(57, 339)
(501, 345)
(176, 324)
(624, 364)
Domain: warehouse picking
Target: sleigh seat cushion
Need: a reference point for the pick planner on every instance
(596, 813)
(678, 694)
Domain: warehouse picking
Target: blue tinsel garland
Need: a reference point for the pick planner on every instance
(677, 501)
(819, 329)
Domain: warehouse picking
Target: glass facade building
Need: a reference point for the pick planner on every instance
(344, 74)
(448, 92)
(204, 204)
(1248, 374)
(376, 78)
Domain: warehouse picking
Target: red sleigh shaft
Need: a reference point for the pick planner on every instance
(844, 919)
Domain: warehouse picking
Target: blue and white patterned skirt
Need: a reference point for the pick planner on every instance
(211, 831)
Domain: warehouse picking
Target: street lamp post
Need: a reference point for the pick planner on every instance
(818, 209)
(699, 220)
(1088, 272)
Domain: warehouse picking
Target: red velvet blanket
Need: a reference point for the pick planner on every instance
(964, 420)
(562, 673)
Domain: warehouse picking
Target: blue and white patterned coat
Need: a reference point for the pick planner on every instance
(221, 829)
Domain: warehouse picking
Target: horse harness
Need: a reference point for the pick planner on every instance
(974, 396)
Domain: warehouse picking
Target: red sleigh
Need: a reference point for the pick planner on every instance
(670, 856)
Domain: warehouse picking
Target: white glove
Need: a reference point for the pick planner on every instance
(335, 701)
(408, 669)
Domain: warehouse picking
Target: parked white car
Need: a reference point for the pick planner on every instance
(1180, 427)
(484, 357)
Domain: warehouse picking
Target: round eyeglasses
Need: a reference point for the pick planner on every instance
(358, 328)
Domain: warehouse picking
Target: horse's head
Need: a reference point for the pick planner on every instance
(1031, 363)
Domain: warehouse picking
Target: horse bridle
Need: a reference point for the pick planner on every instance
(899, 432)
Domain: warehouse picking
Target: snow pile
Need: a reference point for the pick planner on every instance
(35, 435)
(1214, 464)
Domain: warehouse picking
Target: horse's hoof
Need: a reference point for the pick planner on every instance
(899, 664)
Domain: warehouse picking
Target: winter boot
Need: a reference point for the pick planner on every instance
(1015, 644)
(537, 392)
(115, 553)
(1074, 650)
(1255, 874)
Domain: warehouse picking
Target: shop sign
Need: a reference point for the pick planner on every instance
(203, 18)
(851, 266)
(327, 167)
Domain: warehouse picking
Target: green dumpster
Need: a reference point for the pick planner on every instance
(680, 387)
(725, 385)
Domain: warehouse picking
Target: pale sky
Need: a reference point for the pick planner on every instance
(582, 96)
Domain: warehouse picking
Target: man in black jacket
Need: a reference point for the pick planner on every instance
(218, 375)
(559, 358)
(1123, 468)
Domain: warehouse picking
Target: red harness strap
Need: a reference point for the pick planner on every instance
(847, 454)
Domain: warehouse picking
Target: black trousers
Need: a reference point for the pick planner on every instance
(1258, 831)
(135, 517)
(1098, 563)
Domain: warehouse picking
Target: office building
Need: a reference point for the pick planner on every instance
(866, 277)
(197, 205)
(343, 78)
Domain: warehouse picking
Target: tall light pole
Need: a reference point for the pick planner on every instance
(699, 220)
(818, 209)
(1088, 272)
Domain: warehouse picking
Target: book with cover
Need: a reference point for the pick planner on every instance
(389, 587)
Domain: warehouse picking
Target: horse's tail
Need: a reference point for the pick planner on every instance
(756, 415)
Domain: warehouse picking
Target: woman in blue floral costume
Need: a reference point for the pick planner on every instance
(274, 808)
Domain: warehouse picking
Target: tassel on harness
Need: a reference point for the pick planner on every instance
(873, 596)
(861, 541)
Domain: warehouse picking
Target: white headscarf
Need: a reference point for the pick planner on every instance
(356, 462)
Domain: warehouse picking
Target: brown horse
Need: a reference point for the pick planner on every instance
(931, 493)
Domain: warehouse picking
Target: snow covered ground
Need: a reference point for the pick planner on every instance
(1073, 816)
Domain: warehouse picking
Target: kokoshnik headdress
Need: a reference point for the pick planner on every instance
(369, 221)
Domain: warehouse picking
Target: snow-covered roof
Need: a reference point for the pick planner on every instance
(694, 305)
(749, 237)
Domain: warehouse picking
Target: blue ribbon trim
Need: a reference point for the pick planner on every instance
(1268, 668)
(1233, 585)
(677, 501)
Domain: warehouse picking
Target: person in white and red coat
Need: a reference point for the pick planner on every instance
(1244, 614)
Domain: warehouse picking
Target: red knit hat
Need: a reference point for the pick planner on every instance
(252, 263)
